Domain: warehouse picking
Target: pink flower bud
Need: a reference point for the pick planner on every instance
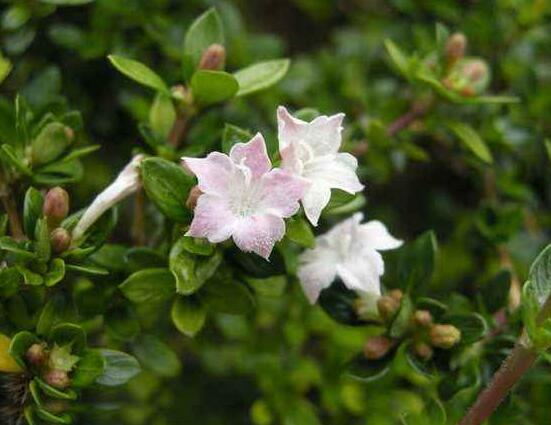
(377, 347)
(213, 58)
(56, 206)
(57, 379)
(456, 46)
(60, 240)
(387, 306)
(423, 351)
(36, 354)
(422, 318)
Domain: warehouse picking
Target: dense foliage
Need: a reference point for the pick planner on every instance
(112, 310)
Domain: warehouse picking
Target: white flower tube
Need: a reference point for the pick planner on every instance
(126, 183)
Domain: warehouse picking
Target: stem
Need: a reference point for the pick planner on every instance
(138, 225)
(178, 130)
(11, 210)
(417, 110)
(512, 369)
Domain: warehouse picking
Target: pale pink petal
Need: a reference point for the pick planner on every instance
(362, 272)
(324, 134)
(253, 155)
(281, 192)
(213, 172)
(259, 233)
(336, 171)
(315, 199)
(317, 270)
(290, 159)
(375, 235)
(212, 219)
(289, 128)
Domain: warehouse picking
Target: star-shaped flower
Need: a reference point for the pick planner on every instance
(311, 150)
(348, 251)
(243, 197)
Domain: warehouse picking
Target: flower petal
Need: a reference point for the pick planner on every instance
(375, 235)
(362, 272)
(212, 220)
(259, 233)
(289, 128)
(252, 154)
(315, 199)
(336, 171)
(317, 270)
(213, 172)
(281, 192)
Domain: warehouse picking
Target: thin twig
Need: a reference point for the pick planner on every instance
(417, 110)
(138, 224)
(11, 210)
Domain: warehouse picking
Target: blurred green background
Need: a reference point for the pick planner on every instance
(283, 364)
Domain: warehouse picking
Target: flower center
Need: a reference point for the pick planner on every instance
(245, 194)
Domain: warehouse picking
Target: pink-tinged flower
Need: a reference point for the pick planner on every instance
(243, 197)
(311, 150)
(348, 251)
(126, 183)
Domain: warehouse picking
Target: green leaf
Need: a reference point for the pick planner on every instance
(345, 204)
(69, 334)
(59, 173)
(5, 67)
(50, 143)
(540, 275)
(188, 315)
(223, 294)
(32, 209)
(20, 344)
(67, 2)
(121, 323)
(119, 368)
(87, 269)
(209, 87)
(548, 148)
(162, 115)
(139, 72)
(149, 286)
(167, 185)
(416, 263)
(399, 59)
(191, 271)
(10, 157)
(473, 327)
(10, 279)
(494, 292)
(78, 153)
(340, 304)
(42, 246)
(472, 141)
(365, 370)
(261, 75)
(111, 257)
(197, 246)
(49, 417)
(270, 287)
(300, 232)
(203, 32)
(233, 135)
(18, 248)
(402, 319)
(90, 367)
(30, 277)
(256, 266)
(54, 312)
(144, 258)
(54, 392)
(157, 356)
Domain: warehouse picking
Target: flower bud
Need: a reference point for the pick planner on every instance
(377, 347)
(36, 354)
(51, 142)
(456, 46)
(422, 318)
(193, 196)
(423, 351)
(468, 77)
(57, 379)
(213, 58)
(56, 206)
(396, 294)
(444, 336)
(387, 306)
(60, 240)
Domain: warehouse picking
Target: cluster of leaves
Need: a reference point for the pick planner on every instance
(265, 352)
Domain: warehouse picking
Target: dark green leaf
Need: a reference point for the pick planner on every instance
(300, 232)
(32, 209)
(233, 135)
(149, 286)
(157, 356)
(89, 368)
(188, 315)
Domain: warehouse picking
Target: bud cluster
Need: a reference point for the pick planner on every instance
(56, 208)
(41, 359)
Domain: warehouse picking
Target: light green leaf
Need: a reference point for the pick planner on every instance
(162, 115)
(300, 232)
(472, 140)
(119, 368)
(261, 75)
(211, 87)
(139, 72)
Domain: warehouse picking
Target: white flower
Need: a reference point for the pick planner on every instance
(311, 150)
(348, 251)
(126, 183)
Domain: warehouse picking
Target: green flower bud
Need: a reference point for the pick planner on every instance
(37, 355)
(57, 379)
(444, 336)
(455, 47)
(51, 142)
(377, 347)
(60, 240)
(468, 77)
(56, 206)
(214, 58)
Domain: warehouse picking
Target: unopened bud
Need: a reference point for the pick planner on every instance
(57, 379)
(193, 196)
(387, 307)
(214, 58)
(444, 336)
(377, 347)
(396, 294)
(468, 77)
(36, 354)
(56, 206)
(422, 318)
(60, 240)
(51, 142)
(423, 350)
(456, 46)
